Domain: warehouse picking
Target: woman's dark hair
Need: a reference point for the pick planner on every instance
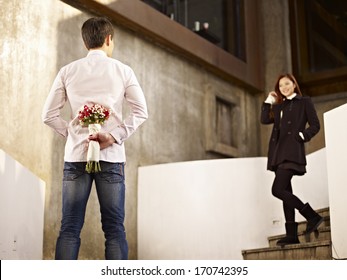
(95, 30)
(280, 97)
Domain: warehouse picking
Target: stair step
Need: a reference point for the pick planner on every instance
(324, 212)
(314, 246)
(320, 250)
(323, 233)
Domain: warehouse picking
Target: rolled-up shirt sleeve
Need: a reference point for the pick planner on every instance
(54, 103)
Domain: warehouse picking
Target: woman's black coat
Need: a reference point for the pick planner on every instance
(285, 142)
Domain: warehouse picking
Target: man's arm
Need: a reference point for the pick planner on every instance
(138, 114)
(54, 103)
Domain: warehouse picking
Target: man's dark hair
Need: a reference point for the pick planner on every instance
(95, 30)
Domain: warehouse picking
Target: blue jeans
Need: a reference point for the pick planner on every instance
(110, 187)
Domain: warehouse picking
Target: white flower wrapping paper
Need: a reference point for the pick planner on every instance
(93, 154)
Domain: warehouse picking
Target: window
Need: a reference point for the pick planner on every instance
(319, 36)
(327, 34)
(222, 122)
(225, 111)
(222, 22)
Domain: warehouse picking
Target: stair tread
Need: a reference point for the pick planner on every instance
(320, 229)
(316, 245)
(290, 247)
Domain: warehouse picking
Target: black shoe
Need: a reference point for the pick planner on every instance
(287, 240)
(291, 235)
(313, 224)
(312, 217)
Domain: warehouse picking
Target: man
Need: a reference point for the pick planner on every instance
(95, 79)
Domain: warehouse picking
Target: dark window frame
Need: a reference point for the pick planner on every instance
(226, 30)
(158, 28)
(312, 83)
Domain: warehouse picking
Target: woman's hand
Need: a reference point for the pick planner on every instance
(271, 98)
(273, 93)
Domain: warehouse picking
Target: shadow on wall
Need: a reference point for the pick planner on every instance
(22, 197)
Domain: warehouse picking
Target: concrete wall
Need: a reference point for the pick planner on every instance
(215, 209)
(38, 37)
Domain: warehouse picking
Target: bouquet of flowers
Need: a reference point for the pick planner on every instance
(93, 117)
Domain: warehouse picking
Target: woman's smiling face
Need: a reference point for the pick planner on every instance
(286, 86)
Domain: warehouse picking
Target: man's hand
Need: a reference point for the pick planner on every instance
(105, 139)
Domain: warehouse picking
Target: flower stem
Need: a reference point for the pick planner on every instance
(93, 166)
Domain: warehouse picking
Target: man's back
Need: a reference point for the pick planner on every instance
(96, 79)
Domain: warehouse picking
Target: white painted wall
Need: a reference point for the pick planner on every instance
(336, 150)
(22, 197)
(214, 209)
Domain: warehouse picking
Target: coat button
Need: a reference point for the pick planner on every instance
(289, 132)
(289, 122)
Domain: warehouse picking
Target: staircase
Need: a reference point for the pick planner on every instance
(315, 246)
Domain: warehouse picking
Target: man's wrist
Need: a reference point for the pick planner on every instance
(112, 139)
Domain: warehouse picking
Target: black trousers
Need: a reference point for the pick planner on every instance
(282, 189)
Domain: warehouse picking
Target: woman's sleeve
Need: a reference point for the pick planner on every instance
(266, 114)
(312, 119)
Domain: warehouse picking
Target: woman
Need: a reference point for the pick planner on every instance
(289, 112)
